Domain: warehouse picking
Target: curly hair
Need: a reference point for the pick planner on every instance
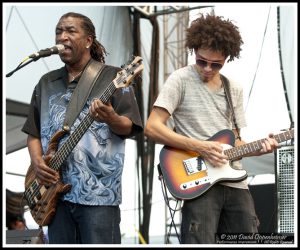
(212, 32)
(98, 51)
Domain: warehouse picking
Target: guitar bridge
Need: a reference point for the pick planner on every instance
(194, 165)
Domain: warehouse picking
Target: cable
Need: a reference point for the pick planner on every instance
(164, 192)
(258, 59)
(9, 18)
(31, 37)
(281, 68)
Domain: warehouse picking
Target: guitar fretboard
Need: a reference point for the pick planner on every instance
(238, 152)
(64, 151)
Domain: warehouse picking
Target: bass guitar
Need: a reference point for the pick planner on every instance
(42, 199)
(188, 176)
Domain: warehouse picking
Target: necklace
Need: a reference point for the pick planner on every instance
(73, 77)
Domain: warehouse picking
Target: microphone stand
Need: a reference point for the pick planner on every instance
(21, 65)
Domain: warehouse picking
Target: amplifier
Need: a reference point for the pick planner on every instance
(264, 198)
(285, 178)
(32, 236)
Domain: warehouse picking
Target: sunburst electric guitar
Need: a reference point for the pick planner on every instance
(188, 176)
(42, 199)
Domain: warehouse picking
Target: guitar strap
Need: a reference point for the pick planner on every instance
(82, 91)
(226, 86)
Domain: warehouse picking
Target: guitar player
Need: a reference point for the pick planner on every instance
(88, 212)
(195, 98)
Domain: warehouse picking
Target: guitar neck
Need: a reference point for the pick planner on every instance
(238, 152)
(64, 151)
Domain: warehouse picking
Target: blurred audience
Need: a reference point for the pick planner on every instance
(15, 209)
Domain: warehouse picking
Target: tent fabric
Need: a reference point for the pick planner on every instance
(16, 113)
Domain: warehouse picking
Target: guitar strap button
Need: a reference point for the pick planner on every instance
(66, 128)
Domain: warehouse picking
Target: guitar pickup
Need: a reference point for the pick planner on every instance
(194, 165)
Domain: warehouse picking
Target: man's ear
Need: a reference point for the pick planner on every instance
(89, 42)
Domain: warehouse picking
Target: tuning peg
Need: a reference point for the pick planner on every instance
(140, 60)
(122, 66)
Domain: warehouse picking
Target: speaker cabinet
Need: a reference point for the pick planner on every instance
(285, 189)
(33, 236)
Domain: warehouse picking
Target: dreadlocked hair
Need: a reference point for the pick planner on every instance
(212, 32)
(98, 51)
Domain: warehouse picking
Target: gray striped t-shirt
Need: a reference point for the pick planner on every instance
(198, 112)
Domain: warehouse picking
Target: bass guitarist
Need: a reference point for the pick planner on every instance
(195, 98)
(88, 212)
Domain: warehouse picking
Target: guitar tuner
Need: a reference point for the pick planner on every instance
(124, 81)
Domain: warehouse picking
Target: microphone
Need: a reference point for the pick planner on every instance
(58, 48)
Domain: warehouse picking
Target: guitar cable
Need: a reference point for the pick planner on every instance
(171, 210)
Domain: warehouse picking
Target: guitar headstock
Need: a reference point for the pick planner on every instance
(125, 76)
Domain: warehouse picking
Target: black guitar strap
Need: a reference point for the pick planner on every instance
(82, 91)
(226, 87)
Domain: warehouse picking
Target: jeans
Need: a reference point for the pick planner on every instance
(82, 224)
(222, 209)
